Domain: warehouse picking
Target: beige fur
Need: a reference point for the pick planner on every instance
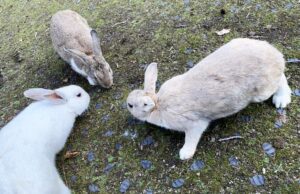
(238, 73)
(79, 45)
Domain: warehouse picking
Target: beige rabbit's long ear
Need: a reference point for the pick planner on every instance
(150, 78)
(44, 94)
(96, 43)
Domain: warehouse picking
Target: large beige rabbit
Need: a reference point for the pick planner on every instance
(238, 73)
(79, 45)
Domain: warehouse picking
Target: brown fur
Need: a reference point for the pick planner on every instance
(71, 38)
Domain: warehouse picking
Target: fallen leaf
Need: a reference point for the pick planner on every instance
(222, 32)
(71, 154)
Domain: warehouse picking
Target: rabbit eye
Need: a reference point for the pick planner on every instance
(78, 95)
(145, 104)
(130, 105)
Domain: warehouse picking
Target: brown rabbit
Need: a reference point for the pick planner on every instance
(79, 45)
(238, 73)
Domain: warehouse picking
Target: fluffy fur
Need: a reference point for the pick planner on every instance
(238, 73)
(79, 45)
(30, 142)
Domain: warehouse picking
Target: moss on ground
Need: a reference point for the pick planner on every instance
(134, 33)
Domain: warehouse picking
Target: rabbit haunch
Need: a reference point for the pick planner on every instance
(79, 45)
(30, 142)
(238, 73)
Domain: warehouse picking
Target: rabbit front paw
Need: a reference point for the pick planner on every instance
(281, 100)
(186, 153)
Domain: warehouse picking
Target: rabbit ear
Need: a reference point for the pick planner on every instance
(78, 54)
(96, 43)
(150, 78)
(44, 94)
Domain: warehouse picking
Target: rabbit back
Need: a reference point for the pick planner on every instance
(70, 30)
(41, 176)
(226, 81)
(28, 145)
(37, 126)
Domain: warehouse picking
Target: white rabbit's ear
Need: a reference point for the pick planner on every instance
(44, 94)
(150, 78)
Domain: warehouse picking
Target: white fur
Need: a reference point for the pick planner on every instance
(223, 83)
(91, 81)
(282, 96)
(81, 72)
(30, 142)
(76, 68)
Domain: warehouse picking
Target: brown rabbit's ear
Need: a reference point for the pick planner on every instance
(77, 54)
(150, 78)
(44, 94)
(96, 43)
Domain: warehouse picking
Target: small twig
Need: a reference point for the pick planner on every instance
(119, 23)
(230, 138)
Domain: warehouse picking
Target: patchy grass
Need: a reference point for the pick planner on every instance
(134, 33)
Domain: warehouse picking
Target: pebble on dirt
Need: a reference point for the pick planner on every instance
(233, 161)
(281, 111)
(147, 141)
(73, 178)
(188, 51)
(93, 188)
(108, 133)
(108, 168)
(268, 149)
(257, 180)
(118, 146)
(197, 165)
(246, 118)
(178, 183)
(124, 186)
(146, 164)
(90, 156)
(296, 92)
(190, 64)
(105, 118)
(278, 124)
(98, 106)
(149, 191)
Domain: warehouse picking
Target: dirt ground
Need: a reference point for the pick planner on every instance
(176, 34)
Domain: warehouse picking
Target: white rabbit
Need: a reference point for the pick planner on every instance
(238, 73)
(30, 142)
(79, 45)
